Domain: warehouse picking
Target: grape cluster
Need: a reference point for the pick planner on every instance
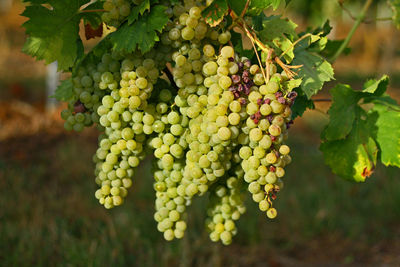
(217, 125)
(89, 87)
(127, 119)
(169, 146)
(225, 207)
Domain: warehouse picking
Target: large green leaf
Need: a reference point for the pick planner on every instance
(278, 33)
(138, 10)
(315, 71)
(53, 33)
(353, 158)
(342, 113)
(142, 33)
(387, 133)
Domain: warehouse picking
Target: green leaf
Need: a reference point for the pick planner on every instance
(387, 133)
(93, 18)
(342, 113)
(318, 39)
(138, 10)
(376, 87)
(215, 12)
(353, 158)
(332, 46)
(64, 91)
(237, 6)
(292, 84)
(236, 40)
(258, 6)
(276, 27)
(279, 33)
(314, 72)
(142, 33)
(395, 5)
(54, 32)
(301, 104)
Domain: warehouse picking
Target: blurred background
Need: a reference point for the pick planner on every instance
(49, 216)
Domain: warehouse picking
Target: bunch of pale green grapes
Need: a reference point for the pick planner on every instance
(226, 206)
(170, 201)
(187, 25)
(127, 118)
(169, 146)
(98, 77)
(90, 84)
(209, 152)
(265, 155)
(222, 131)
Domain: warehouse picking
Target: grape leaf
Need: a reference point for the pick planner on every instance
(236, 40)
(54, 32)
(353, 158)
(387, 133)
(64, 91)
(314, 72)
(332, 46)
(142, 33)
(279, 33)
(258, 6)
(290, 85)
(215, 12)
(301, 104)
(93, 18)
(376, 87)
(395, 5)
(275, 27)
(138, 10)
(318, 39)
(342, 113)
(237, 6)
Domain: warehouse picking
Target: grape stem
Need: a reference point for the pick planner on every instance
(168, 72)
(295, 43)
(357, 23)
(93, 10)
(253, 38)
(245, 9)
(242, 24)
(259, 60)
(267, 62)
(287, 68)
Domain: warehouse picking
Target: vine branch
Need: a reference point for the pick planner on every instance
(348, 12)
(322, 100)
(357, 23)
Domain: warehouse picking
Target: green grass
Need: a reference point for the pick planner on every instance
(49, 216)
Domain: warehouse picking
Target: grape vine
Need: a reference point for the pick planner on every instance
(173, 80)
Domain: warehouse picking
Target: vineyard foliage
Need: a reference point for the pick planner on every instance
(265, 85)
